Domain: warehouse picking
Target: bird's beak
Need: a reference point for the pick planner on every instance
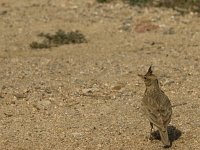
(141, 76)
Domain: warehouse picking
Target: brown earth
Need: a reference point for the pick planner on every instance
(87, 96)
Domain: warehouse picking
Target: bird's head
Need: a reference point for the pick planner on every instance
(149, 78)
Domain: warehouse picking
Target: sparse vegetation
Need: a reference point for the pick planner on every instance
(179, 5)
(138, 2)
(59, 38)
(103, 1)
(182, 6)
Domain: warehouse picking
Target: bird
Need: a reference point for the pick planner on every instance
(156, 106)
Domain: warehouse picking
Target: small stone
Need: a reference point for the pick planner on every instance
(89, 90)
(117, 87)
(79, 81)
(48, 90)
(3, 12)
(169, 31)
(20, 95)
(1, 95)
(166, 81)
(36, 107)
(77, 135)
(43, 104)
(8, 114)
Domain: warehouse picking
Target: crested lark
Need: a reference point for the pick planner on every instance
(156, 106)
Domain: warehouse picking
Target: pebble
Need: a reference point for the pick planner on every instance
(43, 104)
(169, 30)
(77, 135)
(89, 90)
(20, 95)
(166, 81)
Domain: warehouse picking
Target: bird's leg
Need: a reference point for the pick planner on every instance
(151, 136)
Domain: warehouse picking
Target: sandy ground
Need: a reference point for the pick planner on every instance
(87, 96)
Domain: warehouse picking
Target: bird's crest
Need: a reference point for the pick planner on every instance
(149, 72)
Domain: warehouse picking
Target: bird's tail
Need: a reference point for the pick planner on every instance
(164, 137)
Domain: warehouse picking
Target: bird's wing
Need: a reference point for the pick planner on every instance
(158, 111)
(155, 117)
(166, 109)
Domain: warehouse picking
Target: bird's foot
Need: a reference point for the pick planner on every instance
(166, 146)
(151, 137)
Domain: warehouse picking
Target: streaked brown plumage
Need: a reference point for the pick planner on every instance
(156, 106)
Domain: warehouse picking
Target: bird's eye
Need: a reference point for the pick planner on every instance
(145, 78)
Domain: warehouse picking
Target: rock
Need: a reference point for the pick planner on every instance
(85, 91)
(145, 26)
(169, 30)
(117, 87)
(79, 81)
(44, 104)
(127, 24)
(166, 81)
(1, 95)
(89, 90)
(4, 12)
(126, 27)
(77, 135)
(8, 114)
(48, 90)
(20, 95)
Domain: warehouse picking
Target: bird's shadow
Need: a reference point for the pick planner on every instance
(173, 132)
